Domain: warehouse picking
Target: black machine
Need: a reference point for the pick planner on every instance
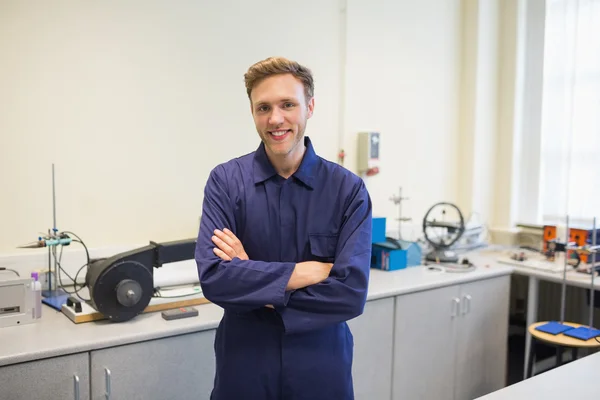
(122, 286)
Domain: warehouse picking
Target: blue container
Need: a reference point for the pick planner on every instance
(378, 226)
(395, 255)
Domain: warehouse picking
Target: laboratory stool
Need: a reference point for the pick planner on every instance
(559, 341)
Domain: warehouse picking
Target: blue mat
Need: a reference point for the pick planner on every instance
(55, 298)
(583, 333)
(553, 328)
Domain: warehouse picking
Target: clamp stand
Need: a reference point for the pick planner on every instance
(397, 199)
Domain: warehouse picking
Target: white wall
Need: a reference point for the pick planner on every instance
(402, 79)
(136, 101)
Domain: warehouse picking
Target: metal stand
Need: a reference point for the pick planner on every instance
(593, 273)
(563, 295)
(54, 296)
(397, 199)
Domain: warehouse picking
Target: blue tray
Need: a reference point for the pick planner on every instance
(583, 333)
(553, 328)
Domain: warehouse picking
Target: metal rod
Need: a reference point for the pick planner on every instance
(564, 282)
(400, 215)
(53, 201)
(54, 225)
(49, 270)
(593, 272)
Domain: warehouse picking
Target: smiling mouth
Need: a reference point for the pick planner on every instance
(279, 134)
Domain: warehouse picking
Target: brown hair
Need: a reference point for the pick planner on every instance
(279, 65)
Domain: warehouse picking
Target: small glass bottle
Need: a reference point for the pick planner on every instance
(37, 295)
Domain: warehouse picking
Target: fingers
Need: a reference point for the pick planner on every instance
(227, 236)
(221, 254)
(224, 247)
(234, 245)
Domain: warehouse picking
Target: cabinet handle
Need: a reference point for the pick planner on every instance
(467, 298)
(107, 380)
(76, 386)
(455, 307)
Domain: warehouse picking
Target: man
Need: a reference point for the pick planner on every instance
(284, 247)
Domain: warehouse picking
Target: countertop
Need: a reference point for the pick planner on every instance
(55, 335)
(576, 380)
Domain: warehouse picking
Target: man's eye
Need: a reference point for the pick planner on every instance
(288, 105)
(263, 108)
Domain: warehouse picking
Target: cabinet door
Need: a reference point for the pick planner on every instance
(58, 378)
(424, 348)
(373, 333)
(482, 338)
(178, 367)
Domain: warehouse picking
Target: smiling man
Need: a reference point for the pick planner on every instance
(284, 247)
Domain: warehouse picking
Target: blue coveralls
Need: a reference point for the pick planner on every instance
(303, 348)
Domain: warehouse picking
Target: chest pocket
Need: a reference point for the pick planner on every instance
(322, 247)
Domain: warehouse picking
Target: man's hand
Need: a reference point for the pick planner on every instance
(308, 273)
(228, 245)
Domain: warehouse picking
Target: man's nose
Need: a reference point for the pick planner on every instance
(276, 117)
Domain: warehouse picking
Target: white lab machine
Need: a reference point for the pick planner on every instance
(16, 302)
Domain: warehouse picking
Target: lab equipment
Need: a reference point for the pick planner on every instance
(55, 296)
(443, 225)
(394, 254)
(397, 200)
(47, 242)
(122, 286)
(589, 252)
(368, 153)
(179, 313)
(16, 302)
(378, 229)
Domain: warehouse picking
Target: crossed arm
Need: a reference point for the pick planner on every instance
(304, 274)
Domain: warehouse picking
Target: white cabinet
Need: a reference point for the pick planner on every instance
(481, 341)
(58, 378)
(450, 343)
(178, 367)
(424, 346)
(373, 333)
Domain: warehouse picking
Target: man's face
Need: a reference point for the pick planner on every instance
(280, 112)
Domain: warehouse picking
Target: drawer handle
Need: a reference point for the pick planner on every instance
(76, 386)
(467, 303)
(455, 306)
(107, 380)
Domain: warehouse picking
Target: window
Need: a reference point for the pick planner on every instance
(568, 170)
(570, 121)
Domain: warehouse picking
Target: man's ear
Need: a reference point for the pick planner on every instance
(310, 107)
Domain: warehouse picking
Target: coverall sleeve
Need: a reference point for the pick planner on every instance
(343, 294)
(237, 285)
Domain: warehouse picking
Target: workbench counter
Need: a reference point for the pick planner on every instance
(54, 334)
(576, 380)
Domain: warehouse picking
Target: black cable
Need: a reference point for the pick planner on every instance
(87, 253)
(62, 285)
(175, 297)
(60, 268)
(11, 270)
(158, 295)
